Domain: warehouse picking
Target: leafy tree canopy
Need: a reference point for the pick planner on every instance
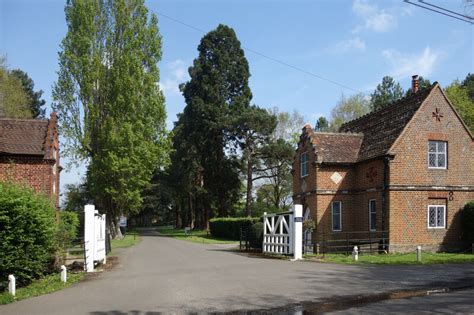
(459, 97)
(348, 108)
(14, 101)
(386, 92)
(107, 98)
(322, 124)
(36, 102)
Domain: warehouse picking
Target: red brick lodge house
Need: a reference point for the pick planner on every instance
(401, 173)
(29, 154)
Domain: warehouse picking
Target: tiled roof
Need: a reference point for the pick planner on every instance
(336, 147)
(381, 128)
(23, 136)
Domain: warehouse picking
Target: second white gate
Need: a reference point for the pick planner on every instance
(283, 232)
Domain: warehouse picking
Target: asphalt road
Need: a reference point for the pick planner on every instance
(458, 302)
(171, 276)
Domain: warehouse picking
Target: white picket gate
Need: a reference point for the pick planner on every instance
(283, 232)
(94, 237)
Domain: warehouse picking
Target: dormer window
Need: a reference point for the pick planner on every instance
(304, 164)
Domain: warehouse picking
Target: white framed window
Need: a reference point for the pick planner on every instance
(372, 215)
(436, 216)
(304, 164)
(336, 216)
(437, 154)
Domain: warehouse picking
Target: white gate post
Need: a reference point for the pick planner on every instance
(105, 236)
(11, 285)
(264, 246)
(297, 232)
(89, 235)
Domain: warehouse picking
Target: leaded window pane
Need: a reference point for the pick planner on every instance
(441, 160)
(336, 216)
(432, 146)
(304, 164)
(441, 146)
(440, 218)
(432, 160)
(432, 217)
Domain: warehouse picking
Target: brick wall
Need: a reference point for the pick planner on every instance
(33, 172)
(421, 186)
(411, 159)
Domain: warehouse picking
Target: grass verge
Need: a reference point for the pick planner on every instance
(396, 259)
(41, 286)
(195, 236)
(130, 239)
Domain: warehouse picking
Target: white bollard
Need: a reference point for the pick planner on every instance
(12, 285)
(355, 253)
(63, 273)
(418, 253)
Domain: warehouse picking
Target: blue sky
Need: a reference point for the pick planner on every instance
(354, 43)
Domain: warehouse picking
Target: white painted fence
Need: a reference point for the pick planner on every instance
(283, 233)
(94, 237)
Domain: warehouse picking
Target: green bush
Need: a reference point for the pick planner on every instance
(256, 240)
(467, 221)
(27, 234)
(67, 231)
(229, 228)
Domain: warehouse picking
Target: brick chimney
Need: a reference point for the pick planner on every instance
(415, 83)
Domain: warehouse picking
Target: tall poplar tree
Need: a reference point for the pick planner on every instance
(110, 108)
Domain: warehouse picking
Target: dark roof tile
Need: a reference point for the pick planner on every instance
(336, 147)
(23, 136)
(381, 128)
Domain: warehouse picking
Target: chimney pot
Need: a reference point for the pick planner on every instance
(415, 83)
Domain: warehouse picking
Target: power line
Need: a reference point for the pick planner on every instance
(281, 62)
(442, 11)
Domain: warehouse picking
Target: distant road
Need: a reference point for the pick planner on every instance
(171, 276)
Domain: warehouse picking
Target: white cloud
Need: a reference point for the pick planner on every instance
(374, 18)
(349, 45)
(405, 65)
(177, 74)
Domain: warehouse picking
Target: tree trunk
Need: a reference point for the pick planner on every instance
(248, 201)
(179, 219)
(192, 215)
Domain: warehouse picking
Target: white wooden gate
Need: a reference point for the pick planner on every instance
(283, 232)
(94, 237)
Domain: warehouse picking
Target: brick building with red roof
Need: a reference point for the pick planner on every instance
(401, 174)
(29, 154)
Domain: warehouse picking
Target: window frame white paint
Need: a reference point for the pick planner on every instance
(436, 153)
(370, 214)
(444, 217)
(305, 163)
(340, 216)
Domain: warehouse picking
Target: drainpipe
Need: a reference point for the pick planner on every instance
(386, 170)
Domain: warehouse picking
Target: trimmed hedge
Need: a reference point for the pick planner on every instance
(256, 241)
(27, 234)
(229, 228)
(467, 221)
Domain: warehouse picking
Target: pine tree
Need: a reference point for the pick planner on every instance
(386, 92)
